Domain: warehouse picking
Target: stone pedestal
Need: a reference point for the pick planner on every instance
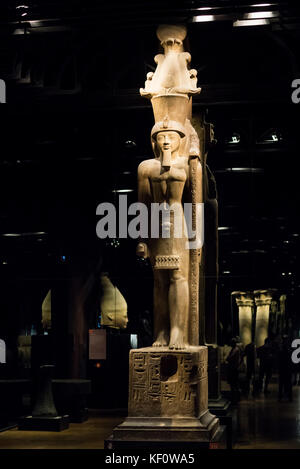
(48, 424)
(213, 372)
(70, 398)
(168, 398)
(44, 415)
(217, 405)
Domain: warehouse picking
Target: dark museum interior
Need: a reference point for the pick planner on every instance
(74, 129)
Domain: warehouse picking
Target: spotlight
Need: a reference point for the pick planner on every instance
(203, 18)
(130, 144)
(114, 243)
(11, 235)
(260, 22)
(246, 170)
(260, 14)
(22, 10)
(235, 138)
(122, 191)
(270, 136)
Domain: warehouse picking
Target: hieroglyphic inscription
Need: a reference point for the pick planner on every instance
(202, 370)
(154, 394)
(194, 266)
(138, 387)
(186, 368)
(154, 385)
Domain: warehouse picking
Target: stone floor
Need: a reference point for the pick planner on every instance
(263, 423)
(86, 435)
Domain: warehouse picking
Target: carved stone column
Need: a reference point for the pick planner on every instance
(274, 311)
(273, 315)
(245, 303)
(281, 315)
(263, 300)
(209, 269)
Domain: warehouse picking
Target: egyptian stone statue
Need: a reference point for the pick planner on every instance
(173, 180)
(46, 311)
(113, 305)
(168, 387)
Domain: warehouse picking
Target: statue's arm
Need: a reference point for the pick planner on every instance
(144, 192)
(144, 196)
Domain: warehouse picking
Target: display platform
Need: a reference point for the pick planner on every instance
(70, 398)
(174, 441)
(168, 401)
(49, 424)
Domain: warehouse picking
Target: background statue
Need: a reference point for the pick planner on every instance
(46, 311)
(113, 305)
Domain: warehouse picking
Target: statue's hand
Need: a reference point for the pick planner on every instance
(142, 250)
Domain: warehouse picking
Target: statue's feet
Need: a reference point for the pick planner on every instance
(178, 345)
(157, 343)
(177, 342)
(161, 341)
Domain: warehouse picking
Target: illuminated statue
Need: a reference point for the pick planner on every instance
(168, 387)
(173, 178)
(46, 311)
(113, 305)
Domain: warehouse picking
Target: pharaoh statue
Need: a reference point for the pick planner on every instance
(168, 387)
(173, 180)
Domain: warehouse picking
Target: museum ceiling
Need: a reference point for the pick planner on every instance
(75, 127)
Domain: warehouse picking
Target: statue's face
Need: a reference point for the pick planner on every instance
(115, 320)
(123, 320)
(169, 140)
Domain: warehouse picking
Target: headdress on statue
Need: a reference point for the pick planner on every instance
(171, 33)
(167, 125)
(170, 89)
(170, 113)
(172, 75)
